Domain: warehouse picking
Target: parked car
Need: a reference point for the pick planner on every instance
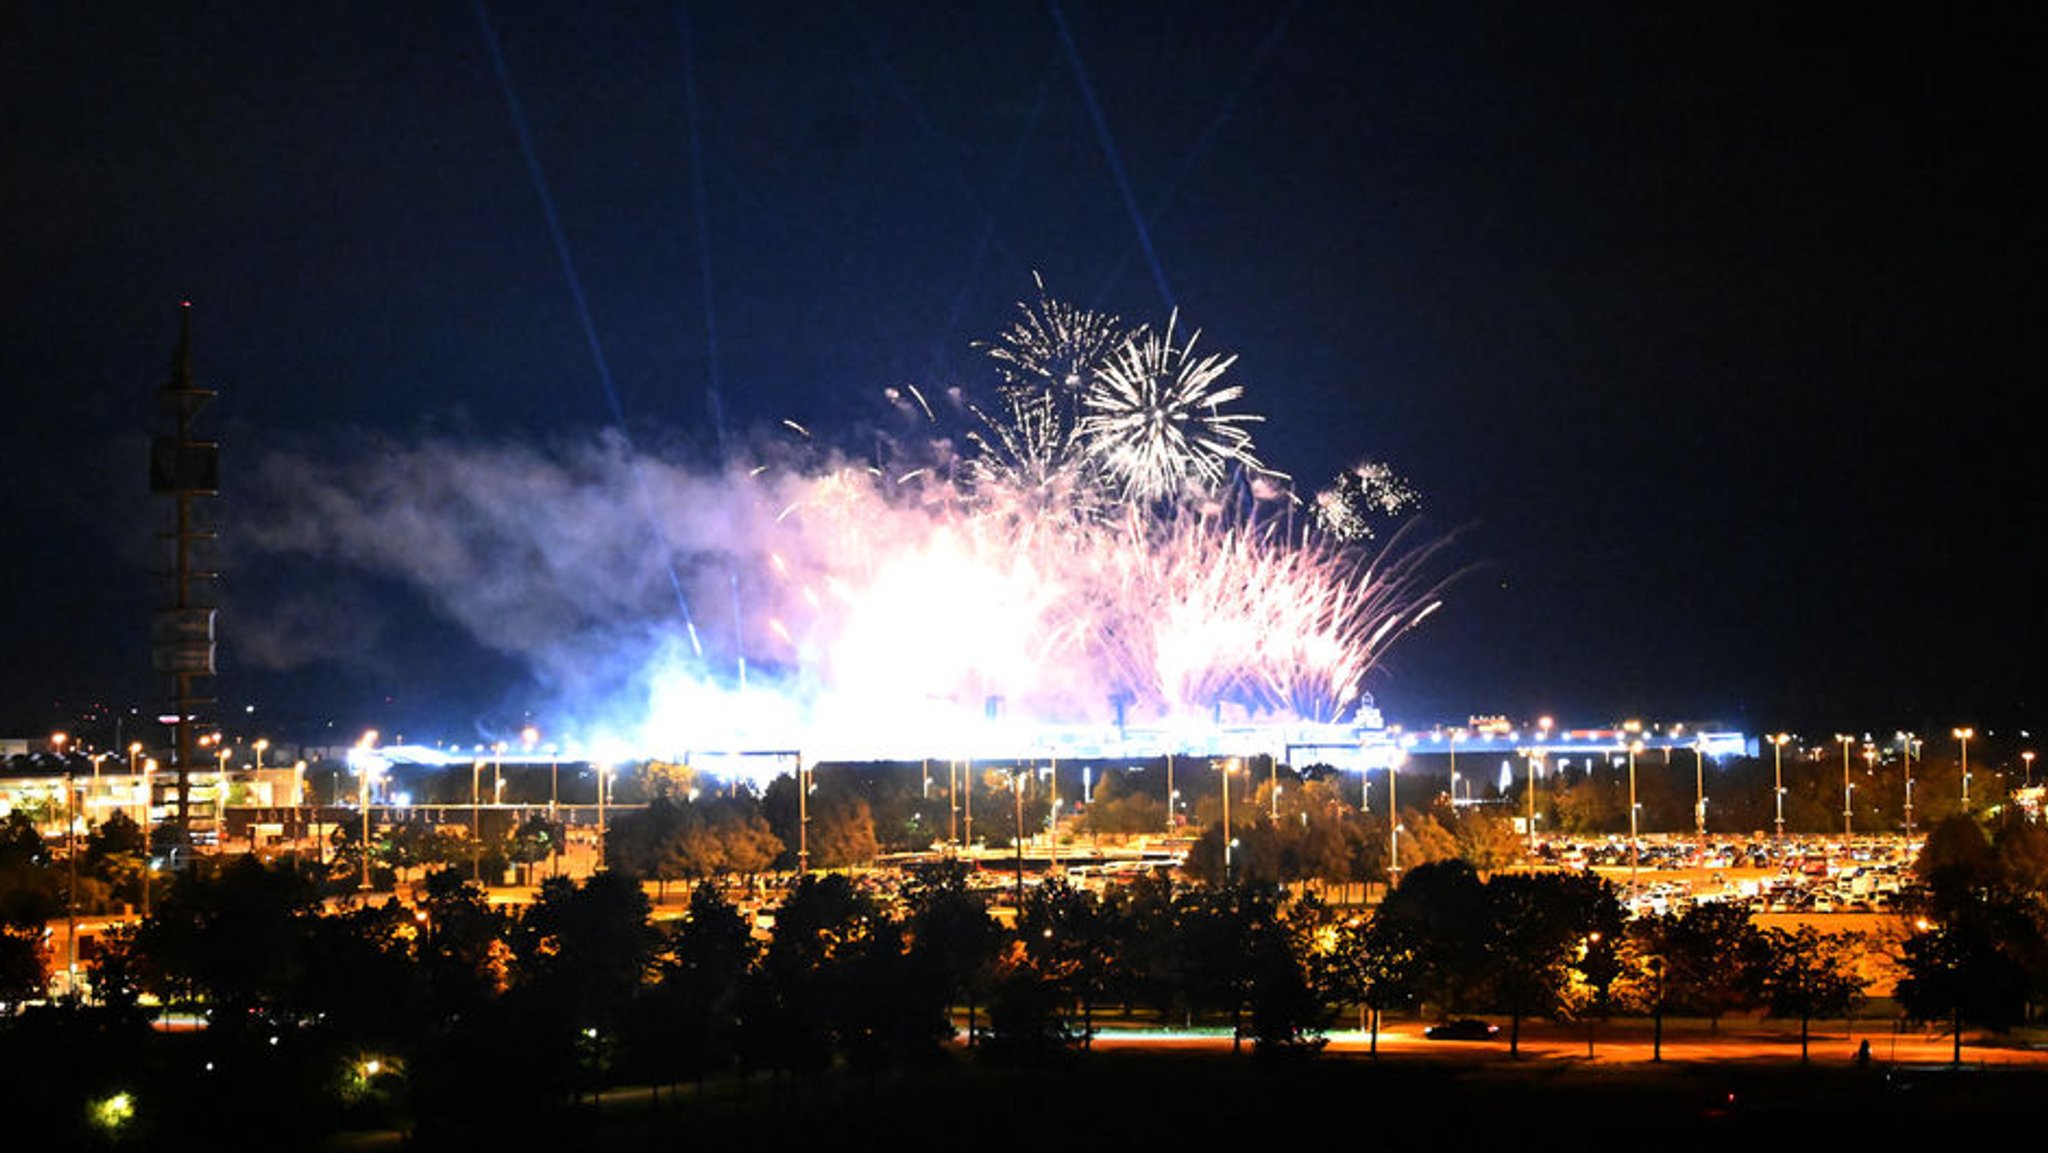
(1462, 1029)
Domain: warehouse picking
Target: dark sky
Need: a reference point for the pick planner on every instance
(1709, 328)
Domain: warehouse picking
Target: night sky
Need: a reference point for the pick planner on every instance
(1709, 329)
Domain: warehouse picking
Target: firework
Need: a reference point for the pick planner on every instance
(1087, 556)
(1153, 419)
(1055, 346)
(1368, 492)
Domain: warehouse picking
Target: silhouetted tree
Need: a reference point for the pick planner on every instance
(1807, 974)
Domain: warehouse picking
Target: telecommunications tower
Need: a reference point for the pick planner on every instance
(187, 470)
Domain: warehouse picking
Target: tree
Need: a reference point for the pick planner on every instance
(1374, 964)
(232, 931)
(1961, 973)
(1808, 974)
(1121, 810)
(842, 833)
(1290, 1006)
(1066, 936)
(589, 946)
(692, 1024)
(535, 840)
(1442, 908)
(952, 933)
(1539, 924)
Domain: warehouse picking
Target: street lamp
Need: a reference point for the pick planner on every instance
(476, 835)
(604, 776)
(364, 768)
(1963, 737)
(1224, 767)
(1171, 796)
(1535, 757)
(1906, 756)
(1393, 824)
(2028, 758)
(1699, 808)
(1778, 778)
(1846, 740)
(363, 802)
(1634, 843)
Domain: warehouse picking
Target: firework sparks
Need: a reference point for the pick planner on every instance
(1368, 492)
(1153, 419)
(1054, 346)
(1082, 559)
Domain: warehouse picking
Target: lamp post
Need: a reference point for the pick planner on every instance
(1699, 807)
(1224, 767)
(148, 771)
(1906, 756)
(368, 742)
(604, 778)
(1778, 778)
(476, 836)
(1963, 738)
(2027, 758)
(1171, 796)
(1846, 740)
(134, 752)
(1017, 837)
(1393, 826)
(70, 890)
(1535, 757)
(1634, 844)
(1456, 736)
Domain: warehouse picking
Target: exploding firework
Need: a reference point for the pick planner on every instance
(1061, 572)
(1153, 419)
(1055, 346)
(1368, 492)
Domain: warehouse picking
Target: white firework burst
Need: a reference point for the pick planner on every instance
(1153, 420)
(1031, 453)
(1367, 492)
(1055, 346)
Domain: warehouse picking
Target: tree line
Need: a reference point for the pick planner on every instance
(460, 1018)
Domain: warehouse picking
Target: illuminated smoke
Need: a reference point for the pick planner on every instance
(1137, 561)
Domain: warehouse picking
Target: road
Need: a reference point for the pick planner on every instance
(1631, 1042)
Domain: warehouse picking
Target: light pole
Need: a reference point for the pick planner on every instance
(1535, 756)
(134, 752)
(1963, 738)
(604, 778)
(2027, 758)
(1778, 779)
(1906, 756)
(1846, 740)
(476, 838)
(1456, 736)
(368, 742)
(1171, 796)
(1224, 767)
(1393, 826)
(70, 890)
(1017, 837)
(1699, 806)
(1634, 844)
(148, 771)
